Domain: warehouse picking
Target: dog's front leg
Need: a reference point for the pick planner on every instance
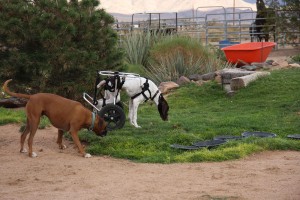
(133, 119)
(75, 138)
(130, 110)
(59, 140)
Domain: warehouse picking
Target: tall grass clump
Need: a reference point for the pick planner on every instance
(137, 46)
(172, 57)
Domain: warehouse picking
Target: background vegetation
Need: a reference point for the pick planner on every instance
(174, 56)
(56, 46)
(164, 57)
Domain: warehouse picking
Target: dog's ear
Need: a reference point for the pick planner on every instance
(102, 126)
(163, 107)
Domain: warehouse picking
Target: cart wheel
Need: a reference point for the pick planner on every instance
(113, 115)
(120, 104)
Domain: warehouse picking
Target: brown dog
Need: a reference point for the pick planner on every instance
(64, 114)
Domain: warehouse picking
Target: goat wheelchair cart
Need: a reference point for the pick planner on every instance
(112, 112)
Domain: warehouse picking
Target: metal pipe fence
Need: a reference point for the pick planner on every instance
(283, 27)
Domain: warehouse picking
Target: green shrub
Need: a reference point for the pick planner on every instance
(172, 57)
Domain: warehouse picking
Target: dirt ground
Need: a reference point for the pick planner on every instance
(63, 174)
(282, 53)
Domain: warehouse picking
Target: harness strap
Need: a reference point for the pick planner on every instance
(95, 102)
(93, 121)
(156, 93)
(121, 83)
(144, 89)
(103, 102)
(136, 95)
(146, 98)
(113, 83)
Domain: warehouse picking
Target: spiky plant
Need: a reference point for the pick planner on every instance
(173, 57)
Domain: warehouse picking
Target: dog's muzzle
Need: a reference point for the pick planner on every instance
(103, 133)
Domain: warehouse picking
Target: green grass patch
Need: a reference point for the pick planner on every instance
(11, 116)
(271, 104)
(8, 116)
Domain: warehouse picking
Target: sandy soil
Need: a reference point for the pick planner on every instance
(282, 53)
(63, 174)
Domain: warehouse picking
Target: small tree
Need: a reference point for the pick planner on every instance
(56, 45)
(287, 17)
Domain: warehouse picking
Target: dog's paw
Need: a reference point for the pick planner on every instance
(23, 150)
(87, 155)
(62, 147)
(135, 125)
(33, 155)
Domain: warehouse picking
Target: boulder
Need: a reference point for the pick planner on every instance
(295, 65)
(165, 87)
(269, 62)
(218, 79)
(249, 67)
(259, 64)
(198, 83)
(209, 76)
(195, 77)
(183, 80)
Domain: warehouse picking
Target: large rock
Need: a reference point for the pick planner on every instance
(295, 65)
(183, 80)
(209, 76)
(249, 67)
(195, 77)
(13, 102)
(204, 77)
(165, 87)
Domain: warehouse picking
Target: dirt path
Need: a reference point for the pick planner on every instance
(57, 174)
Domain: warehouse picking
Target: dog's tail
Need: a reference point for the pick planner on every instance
(5, 88)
